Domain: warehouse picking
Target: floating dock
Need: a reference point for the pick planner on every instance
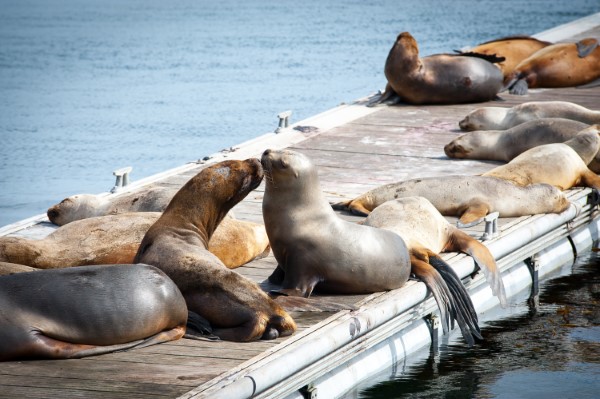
(356, 149)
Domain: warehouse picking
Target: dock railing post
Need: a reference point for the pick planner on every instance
(122, 178)
(434, 326)
(533, 264)
(283, 120)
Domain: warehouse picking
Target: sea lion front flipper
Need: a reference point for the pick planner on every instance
(585, 47)
(462, 242)
(474, 214)
(199, 328)
(519, 88)
(354, 206)
(277, 276)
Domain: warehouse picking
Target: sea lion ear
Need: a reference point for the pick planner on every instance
(586, 46)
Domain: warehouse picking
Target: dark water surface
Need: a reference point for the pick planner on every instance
(551, 353)
(90, 86)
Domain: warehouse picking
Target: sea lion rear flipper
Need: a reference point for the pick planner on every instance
(586, 46)
(388, 97)
(590, 179)
(483, 258)
(450, 305)
(474, 214)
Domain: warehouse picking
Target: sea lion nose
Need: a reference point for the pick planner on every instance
(267, 152)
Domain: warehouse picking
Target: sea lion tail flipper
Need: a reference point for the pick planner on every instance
(453, 303)
(199, 328)
(585, 47)
(464, 304)
(474, 214)
(463, 242)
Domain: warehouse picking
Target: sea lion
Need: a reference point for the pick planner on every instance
(315, 249)
(499, 118)
(83, 206)
(427, 233)
(468, 197)
(504, 145)
(563, 165)
(86, 311)
(12, 268)
(513, 49)
(235, 307)
(557, 65)
(116, 239)
(438, 79)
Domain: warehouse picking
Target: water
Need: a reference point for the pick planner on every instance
(551, 353)
(90, 86)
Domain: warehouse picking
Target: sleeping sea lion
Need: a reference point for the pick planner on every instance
(557, 65)
(468, 197)
(86, 311)
(499, 118)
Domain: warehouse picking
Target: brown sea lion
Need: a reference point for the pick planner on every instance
(513, 49)
(12, 268)
(83, 206)
(438, 79)
(563, 165)
(499, 118)
(557, 65)
(315, 249)
(116, 239)
(235, 307)
(86, 311)
(468, 197)
(427, 233)
(504, 145)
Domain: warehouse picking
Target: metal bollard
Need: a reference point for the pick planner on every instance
(122, 178)
(491, 226)
(283, 120)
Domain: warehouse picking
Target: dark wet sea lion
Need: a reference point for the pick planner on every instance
(499, 118)
(236, 307)
(438, 79)
(468, 197)
(557, 65)
(315, 249)
(84, 311)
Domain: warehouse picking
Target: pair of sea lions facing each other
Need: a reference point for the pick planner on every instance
(504, 145)
(316, 249)
(84, 311)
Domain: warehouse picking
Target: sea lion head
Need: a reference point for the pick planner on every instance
(408, 43)
(287, 168)
(485, 118)
(462, 146)
(73, 208)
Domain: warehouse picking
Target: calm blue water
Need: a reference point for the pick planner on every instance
(90, 86)
(553, 353)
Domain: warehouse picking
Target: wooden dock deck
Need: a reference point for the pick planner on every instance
(356, 149)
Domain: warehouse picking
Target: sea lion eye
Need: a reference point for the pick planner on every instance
(284, 164)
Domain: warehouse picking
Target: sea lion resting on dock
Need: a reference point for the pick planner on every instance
(235, 307)
(438, 79)
(563, 165)
(83, 206)
(504, 145)
(116, 239)
(468, 197)
(86, 311)
(427, 233)
(513, 49)
(501, 118)
(557, 65)
(315, 249)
